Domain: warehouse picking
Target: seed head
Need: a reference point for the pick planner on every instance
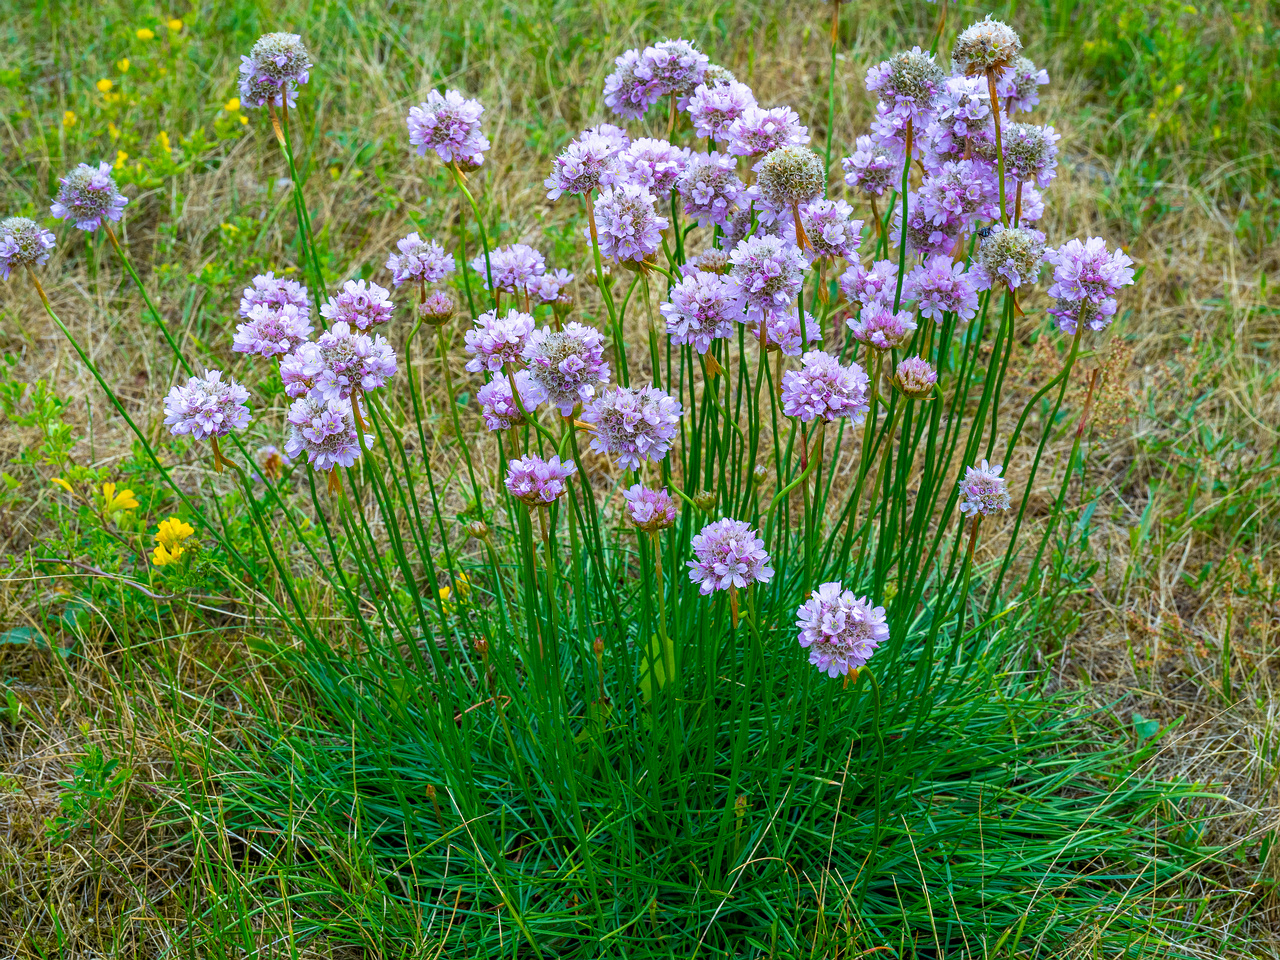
(988, 46)
(633, 424)
(1011, 254)
(790, 175)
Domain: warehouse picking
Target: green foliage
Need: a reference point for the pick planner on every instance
(95, 781)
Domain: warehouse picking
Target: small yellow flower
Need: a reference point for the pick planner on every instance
(232, 105)
(63, 484)
(171, 536)
(123, 64)
(104, 85)
(176, 25)
(244, 119)
(121, 157)
(112, 501)
(142, 33)
(463, 585)
(162, 557)
(68, 119)
(113, 130)
(163, 139)
(1177, 92)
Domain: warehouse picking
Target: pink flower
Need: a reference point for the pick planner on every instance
(840, 631)
(824, 390)
(882, 329)
(983, 491)
(325, 430)
(758, 131)
(419, 261)
(569, 364)
(449, 125)
(360, 304)
(650, 510)
(497, 406)
(270, 331)
(714, 108)
(633, 424)
(208, 407)
(940, 286)
(497, 340)
(728, 553)
(702, 308)
(538, 482)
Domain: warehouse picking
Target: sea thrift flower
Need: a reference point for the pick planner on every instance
(499, 410)
(324, 430)
(710, 188)
(568, 363)
(889, 135)
(274, 292)
(924, 236)
(206, 407)
(449, 124)
(961, 126)
(672, 66)
(940, 286)
(1032, 206)
(831, 229)
(869, 168)
(539, 482)
(907, 83)
(783, 330)
(438, 308)
(988, 46)
(714, 108)
(655, 164)
(702, 308)
(1086, 271)
(88, 196)
(1096, 316)
(960, 192)
(497, 340)
(361, 304)
(270, 331)
(627, 223)
(633, 424)
(916, 378)
(824, 390)
(1031, 153)
(548, 287)
(617, 137)
(839, 630)
(758, 131)
(867, 285)
(274, 69)
(768, 272)
(650, 510)
(628, 93)
(983, 491)
(710, 260)
(882, 329)
(1010, 254)
(790, 175)
(1018, 84)
(23, 243)
(514, 267)
(338, 363)
(419, 261)
(718, 76)
(729, 554)
(587, 163)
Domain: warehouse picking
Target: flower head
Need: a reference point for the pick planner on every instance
(650, 510)
(940, 286)
(916, 378)
(782, 330)
(983, 491)
(869, 168)
(269, 331)
(274, 69)
(868, 285)
(538, 482)
(1018, 85)
(617, 137)
(962, 124)
(569, 364)
(1031, 153)
(925, 235)
(586, 164)
(907, 83)
(710, 188)
(633, 424)
(274, 292)
(449, 124)
(962, 191)
(437, 308)
(324, 430)
(1011, 254)
(23, 243)
(497, 406)
(832, 231)
(514, 267)
(790, 175)
(171, 539)
(497, 340)
(339, 362)
(655, 164)
(206, 407)
(627, 92)
(88, 196)
(824, 390)
(672, 66)
(729, 553)
(988, 46)
(882, 329)
(768, 272)
(710, 260)
(1086, 271)
(703, 307)
(758, 131)
(361, 304)
(839, 630)
(419, 261)
(627, 223)
(548, 287)
(713, 108)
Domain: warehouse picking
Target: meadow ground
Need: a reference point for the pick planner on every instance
(1166, 598)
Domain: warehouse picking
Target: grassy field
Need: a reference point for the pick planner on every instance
(171, 769)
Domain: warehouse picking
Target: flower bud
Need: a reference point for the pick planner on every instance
(437, 308)
(598, 647)
(481, 646)
(760, 474)
(562, 305)
(479, 530)
(706, 500)
(916, 378)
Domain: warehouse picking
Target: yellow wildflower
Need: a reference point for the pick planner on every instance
(68, 119)
(63, 484)
(163, 139)
(244, 119)
(1177, 92)
(232, 105)
(113, 130)
(142, 33)
(123, 64)
(171, 536)
(112, 501)
(104, 85)
(121, 157)
(175, 25)
(463, 584)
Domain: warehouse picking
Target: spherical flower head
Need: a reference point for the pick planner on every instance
(650, 510)
(361, 304)
(768, 272)
(87, 197)
(1011, 254)
(962, 123)
(728, 553)
(654, 163)
(702, 307)
(419, 261)
(514, 267)
(633, 424)
(822, 389)
(449, 124)
(1018, 86)
(758, 131)
(1031, 153)
(916, 378)
(940, 286)
(983, 491)
(338, 363)
(627, 223)
(961, 191)
(325, 431)
(882, 329)
(274, 69)
(206, 407)
(718, 76)
(924, 236)
(1096, 316)
(790, 175)
(495, 340)
(710, 188)
(268, 290)
(870, 168)
(23, 243)
(618, 138)
(438, 308)
(710, 260)
(839, 630)
(907, 83)
(270, 332)
(782, 330)
(988, 46)
(497, 406)
(586, 164)
(548, 287)
(714, 107)
(626, 92)
(672, 66)
(539, 482)
(569, 363)
(832, 231)
(868, 285)
(1087, 271)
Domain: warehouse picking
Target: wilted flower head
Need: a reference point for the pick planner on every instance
(839, 630)
(907, 83)
(654, 163)
(1011, 254)
(538, 482)
(514, 267)
(882, 329)
(728, 553)
(633, 424)
(497, 340)
(869, 168)
(627, 223)
(274, 292)
(568, 363)
(987, 46)
(868, 285)
(983, 491)
(714, 107)
(1031, 153)
(325, 430)
(916, 378)
(941, 286)
(497, 406)
(88, 196)
(437, 308)
(831, 229)
(617, 138)
(1018, 85)
(962, 191)
(824, 390)
(339, 362)
(548, 287)
(359, 303)
(587, 163)
(1096, 316)
(650, 510)
(1086, 271)
(758, 131)
(627, 92)
(206, 407)
(419, 261)
(23, 243)
(449, 125)
(702, 307)
(274, 69)
(672, 66)
(271, 460)
(269, 331)
(768, 272)
(790, 175)
(784, 331)
(710, 188)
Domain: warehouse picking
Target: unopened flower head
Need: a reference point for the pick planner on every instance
(359, 303)
(1011, 254)
(784, 331)
(757, 131)
(832, 231)
(549, 287)
(497, 406)
(728, 553)
(539, 482)
(586, 164)
(941, 286)
(988, 46)
(983, 491)
(325, 431)
(768, 272)
(962, 191)
(207, 406)
(23, 243)
(514, 267)
(495, 340)
(617, 138)
(568, 363)
(790, 175)
(1096, 316)
(1018, 86)
(713, 108)
(449, 124)
(274, 69)
(1031, 153)
(839, 630)
(655, 164)
(916, 378)
(1087, 271)
(907, 83)
(710, 188)
(702, 307)
(419, 261)
(339, 362)
(633, 424)
(882, 329)
(868, 285)
(673, 67)
(628, 93)
(275, 292)
(822, 389)
(627, 223)
(870, 169)
(437, 308)
(87, 197)
(271, 331)
(650, 510)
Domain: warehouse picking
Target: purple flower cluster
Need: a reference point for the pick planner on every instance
(983, 491)
(325, 430)
(880, 328)
(23, 243)
(514, 267)
(495, 340)
(867, 285)
(961, 120)
(940, 286)
(586, 164)
(710, 188)
(783, 330)
(627, 223)
(274, 69)
(271, 331)
(419, 261)
(626, 92)
(87, 197)
(1031, 153)
(274, 292)
(548, 287)
(1086, 279)
(758, 131)
(339, 362)
(615, 136)
(908, 83)
(957, 195)
(650, 510)
(640, 80)
(360, 304)
(832, 231)
(768, 273)
(869, 168)
(924, 236)
(729, 553)
(569, 364)
(839, 630)
(206, 406)
(539, 482)
(714, 108)
(499, 408)
(449, 125)
(655, 164)
(824, 390)
(1018, 85)
(703, 307)
(633, 424)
